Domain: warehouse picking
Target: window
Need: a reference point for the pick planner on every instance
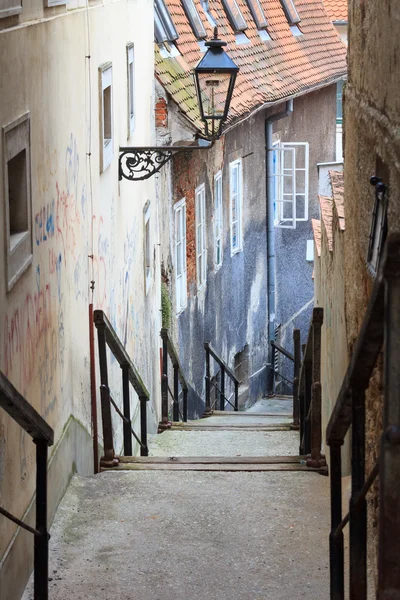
(234, 15)
(106, 116)
(290, 173)
(17, 195)
(164, 27)
(180, 254)
(290, 11)
(194, 19)
(147, 246)
(201, 243)
(131, 88)
(49, 3)
(339, 101)
(235, 194)
(257, 13)
(10, 8)
(218, 219)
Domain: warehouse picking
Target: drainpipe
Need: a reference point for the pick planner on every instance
(271, 237)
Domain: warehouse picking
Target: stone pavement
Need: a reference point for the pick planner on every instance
(195, 535)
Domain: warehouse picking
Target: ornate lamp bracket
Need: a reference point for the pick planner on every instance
(137, 164)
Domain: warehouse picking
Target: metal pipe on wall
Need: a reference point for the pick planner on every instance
(271, 236)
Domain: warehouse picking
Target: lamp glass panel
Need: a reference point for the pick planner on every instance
(214, 89)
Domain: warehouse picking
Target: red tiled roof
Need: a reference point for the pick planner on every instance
(316, 225)
(327, 218)
(271, 71)
(336, 9)
(337, 183)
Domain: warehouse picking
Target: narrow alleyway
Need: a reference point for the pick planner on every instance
(197, 534)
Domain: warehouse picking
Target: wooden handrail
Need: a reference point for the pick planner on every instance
(174, 357)
(116, 347)
(23, 413)
(221, 362)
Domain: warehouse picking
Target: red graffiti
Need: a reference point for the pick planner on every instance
(24, 331)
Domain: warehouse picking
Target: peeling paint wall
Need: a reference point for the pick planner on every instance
(86, 226)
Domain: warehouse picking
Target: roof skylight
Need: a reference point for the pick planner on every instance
(234, 15)
(257, 13)
(194, 19)
(290, 11)
(163, 25)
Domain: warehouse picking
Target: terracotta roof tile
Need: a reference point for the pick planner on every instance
(269, 71)
(316, 225)
(337, 10)
(327, 218)
(337, 183)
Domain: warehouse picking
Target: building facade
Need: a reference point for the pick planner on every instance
(76, 82)
(247, 202)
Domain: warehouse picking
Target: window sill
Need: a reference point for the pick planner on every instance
(236, 251)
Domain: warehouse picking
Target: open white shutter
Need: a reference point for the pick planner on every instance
(284, 185)
(301, 168)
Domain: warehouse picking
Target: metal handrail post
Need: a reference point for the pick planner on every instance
(144, 451)
(222, 394)
(176, 394)
(127, 411)
(296, 372)
(336, 545)
(164, 382)
(236, 396)
(41, 543)
(185, 405)
(208, 375)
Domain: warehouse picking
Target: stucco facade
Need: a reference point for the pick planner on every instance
(87, 231)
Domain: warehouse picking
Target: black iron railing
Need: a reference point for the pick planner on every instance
(43, 436)
(179, 381)
(296, 360)
(107, 337)
(308, 393)
(219, 389)
(380, 327)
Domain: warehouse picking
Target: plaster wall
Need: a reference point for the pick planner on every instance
(314, 121)
(86, 227)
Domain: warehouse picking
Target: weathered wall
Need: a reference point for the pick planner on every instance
(372, 125)
(314, 121)
(231, 310)
(76, 213)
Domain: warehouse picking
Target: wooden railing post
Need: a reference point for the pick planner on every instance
(306, 449)
(336, 546)
(358, 515)
(176, 394)
(315, 411)
(296, 372)
(208, 381)
(389, 488)
(127, 411)
(109, 453)
(41, 544)
(144, 451)
(222, 394)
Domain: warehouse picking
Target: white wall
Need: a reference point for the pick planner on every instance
(76, 213)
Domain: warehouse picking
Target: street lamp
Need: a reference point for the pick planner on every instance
(214, 77)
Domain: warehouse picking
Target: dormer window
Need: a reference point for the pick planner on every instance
(290, 11)
(257, 13)
(164, 27)
(194, 19)
(234, 15)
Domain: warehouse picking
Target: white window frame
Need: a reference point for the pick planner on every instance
(236, 166)
(180, 264)
(130, 65)
(14, 8)
(284, 194)
(201, 236)
(19, 246)
(106, 144)
(218, 220)
(147, 247)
